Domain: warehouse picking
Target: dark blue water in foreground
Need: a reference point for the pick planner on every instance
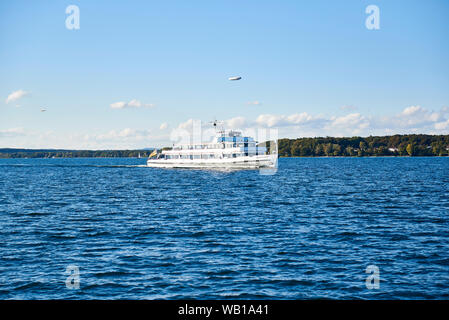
(309, 231)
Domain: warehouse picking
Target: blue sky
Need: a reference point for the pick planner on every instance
(308, 68)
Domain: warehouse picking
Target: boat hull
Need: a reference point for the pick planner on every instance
(252, 162)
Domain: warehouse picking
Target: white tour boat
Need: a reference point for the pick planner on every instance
(229, 149)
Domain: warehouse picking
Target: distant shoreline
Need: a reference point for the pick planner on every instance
(11, 153)
(281, 157)
(372, 146)
(319, 147)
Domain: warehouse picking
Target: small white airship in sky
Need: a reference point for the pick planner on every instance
(43, 110)
(234, 78)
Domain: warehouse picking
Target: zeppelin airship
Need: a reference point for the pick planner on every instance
(235, 78)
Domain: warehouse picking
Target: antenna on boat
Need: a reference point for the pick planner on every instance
(216, 123)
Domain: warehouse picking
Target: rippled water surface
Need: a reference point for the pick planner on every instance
(308, 231)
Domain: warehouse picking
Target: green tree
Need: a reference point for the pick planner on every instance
(296, 148)
(328, 149)
(336, 149)
(362, 145)
(319, 150)
(410, 149)
(349, 151)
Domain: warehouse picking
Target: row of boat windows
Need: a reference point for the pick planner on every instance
(206, 156)
(216, 146)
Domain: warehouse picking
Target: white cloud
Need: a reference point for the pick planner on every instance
(182, 133)
(16, 95)
(237, 122)
(351, 124)
(442, 125)
(123, 134)
(412, 110)
(187, 125)
(271, 120)
(12, 132)
(350, 120)
(118, 105)
(299, 118)
(127, 138)
(254, 103)
(131, 104)
(413, 119)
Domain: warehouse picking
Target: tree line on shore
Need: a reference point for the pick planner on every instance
(397, 145)
(30, 153)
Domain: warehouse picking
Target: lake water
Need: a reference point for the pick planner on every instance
(309, 231)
